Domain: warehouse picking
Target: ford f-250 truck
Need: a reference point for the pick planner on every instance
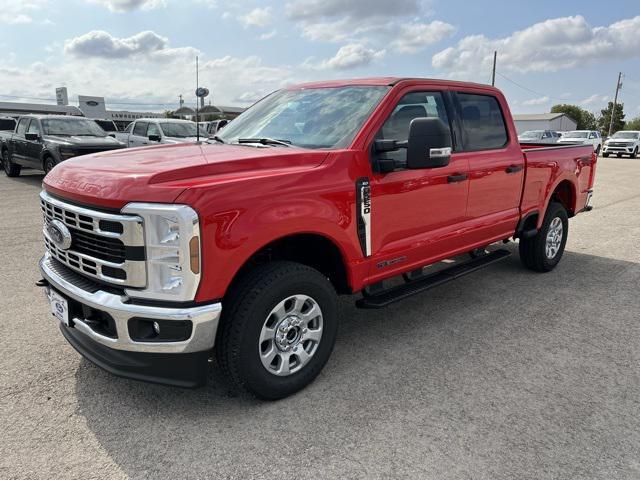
(178, 254)
(43, 141)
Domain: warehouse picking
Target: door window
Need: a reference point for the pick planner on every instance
(153, 130)
(129, 128)
(34, 127)
(483, 124)
(22, 126)
(412, 105)
(140, 129)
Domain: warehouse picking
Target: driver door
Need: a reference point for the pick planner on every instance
(416, 214)
(139, 137)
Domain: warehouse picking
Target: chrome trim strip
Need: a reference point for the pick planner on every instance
(205, 318)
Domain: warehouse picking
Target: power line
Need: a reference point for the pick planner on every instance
(531, 90)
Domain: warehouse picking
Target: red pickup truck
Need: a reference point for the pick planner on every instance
(160, 259)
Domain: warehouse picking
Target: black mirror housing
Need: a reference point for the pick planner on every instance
(429, 144)
(155, 138)
(31, 136)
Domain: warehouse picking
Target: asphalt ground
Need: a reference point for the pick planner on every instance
(503, 374)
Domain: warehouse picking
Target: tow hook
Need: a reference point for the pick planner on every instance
(42, 283)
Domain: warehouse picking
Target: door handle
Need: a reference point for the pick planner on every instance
(513, 168)
(459, 177)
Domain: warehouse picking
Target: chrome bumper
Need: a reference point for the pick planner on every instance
(204, 318)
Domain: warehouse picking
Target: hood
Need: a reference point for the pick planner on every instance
(82, 141)
(570, 139)
(160, 173)
(174, 140)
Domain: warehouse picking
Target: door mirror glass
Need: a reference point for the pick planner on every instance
(31, 136)
(429, 144)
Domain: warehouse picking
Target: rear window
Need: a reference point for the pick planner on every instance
(7, 124)
(482, 122)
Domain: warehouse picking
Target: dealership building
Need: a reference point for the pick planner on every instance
(560, 122)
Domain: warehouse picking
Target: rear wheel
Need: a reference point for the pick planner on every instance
(10, 168)
(279, 329)
(597, 150)
(542, 252)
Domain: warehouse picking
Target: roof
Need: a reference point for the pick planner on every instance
(387, 81)
(540, 116)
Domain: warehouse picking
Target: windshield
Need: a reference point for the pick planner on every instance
(107, 125)
(310, 118)
(531, 134)
(181, 130)
(627, 135)
(72, 126)
(576, 135)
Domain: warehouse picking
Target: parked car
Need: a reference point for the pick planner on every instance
(215, 126)
(151, 131)
(624, 142)
(108, 126)
(239, 248)
(539, 136)
(43, 141)
(591, 137)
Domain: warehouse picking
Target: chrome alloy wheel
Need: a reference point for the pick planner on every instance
(554, 238)
(290, 335)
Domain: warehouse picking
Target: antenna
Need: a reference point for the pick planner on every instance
(197, 89)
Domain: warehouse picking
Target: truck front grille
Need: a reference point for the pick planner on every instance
(105, 246)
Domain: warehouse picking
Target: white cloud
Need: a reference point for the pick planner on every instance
(314, 9)
(415, 36)
(536, 101)
(258, 17)
(595, 99)
(121, 6)
(350, 56)
(15, 12)
(548, 46)
(145, 45)
(268, 35)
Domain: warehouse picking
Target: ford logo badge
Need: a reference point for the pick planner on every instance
(59, 234)
(92, 103)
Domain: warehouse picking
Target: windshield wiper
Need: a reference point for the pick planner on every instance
(217, 139)
(266, 141)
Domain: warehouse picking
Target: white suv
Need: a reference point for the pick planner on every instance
(624, 142)
(583, 136)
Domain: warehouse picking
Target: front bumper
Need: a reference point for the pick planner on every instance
(170, 362)
(619, 149)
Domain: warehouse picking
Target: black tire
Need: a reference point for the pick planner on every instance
(605, 155)
(246, 311)
(533, 250)
(598, 150)
(619, 155)
(634, 154)
(48, 164)
(10, 168)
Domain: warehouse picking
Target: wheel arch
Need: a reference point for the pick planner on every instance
(564, 192)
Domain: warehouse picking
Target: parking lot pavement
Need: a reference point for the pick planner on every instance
(502, 374)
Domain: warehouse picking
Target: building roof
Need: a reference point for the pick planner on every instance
(44, 108)
(540, 116)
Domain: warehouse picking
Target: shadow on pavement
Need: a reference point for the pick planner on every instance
(504, 370)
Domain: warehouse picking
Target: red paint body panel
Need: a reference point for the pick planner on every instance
(248, 197)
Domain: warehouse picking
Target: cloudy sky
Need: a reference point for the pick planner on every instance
(140, 54)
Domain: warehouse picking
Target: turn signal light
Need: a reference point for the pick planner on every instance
(194, 254)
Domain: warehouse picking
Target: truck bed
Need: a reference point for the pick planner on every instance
(548, 166)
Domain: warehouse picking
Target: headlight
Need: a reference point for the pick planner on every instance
(172, 242)
(66, 153)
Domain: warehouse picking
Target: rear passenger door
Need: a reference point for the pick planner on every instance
(138, 137)
(496, 166)
(18, 142)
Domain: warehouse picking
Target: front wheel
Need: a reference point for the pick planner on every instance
(278, 329)
(542, 252)
(634, 154)
(605, 155)
(10, 168)
(49, 163)
(598, 150)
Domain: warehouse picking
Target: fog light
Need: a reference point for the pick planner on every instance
(156, 328)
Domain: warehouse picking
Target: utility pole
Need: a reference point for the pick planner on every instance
(615, 102)
(493, 76)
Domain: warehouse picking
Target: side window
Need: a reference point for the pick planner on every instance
(546, 135)
(483, 124)
(34, 127)
(129, 128)
(22, 126)
(153, 129)
(140, 128)
(412, 105)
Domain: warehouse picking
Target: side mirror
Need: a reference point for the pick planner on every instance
(31, 136)
(112, 135)
(429, 144)
(155, 138)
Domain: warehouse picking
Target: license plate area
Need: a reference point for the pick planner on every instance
(59, 307)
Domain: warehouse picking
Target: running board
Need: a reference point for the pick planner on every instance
(394, 294)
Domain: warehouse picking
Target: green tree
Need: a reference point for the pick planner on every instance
(585, 120)
(605, 119)
(633, 124)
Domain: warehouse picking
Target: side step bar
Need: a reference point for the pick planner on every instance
(400, 292)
